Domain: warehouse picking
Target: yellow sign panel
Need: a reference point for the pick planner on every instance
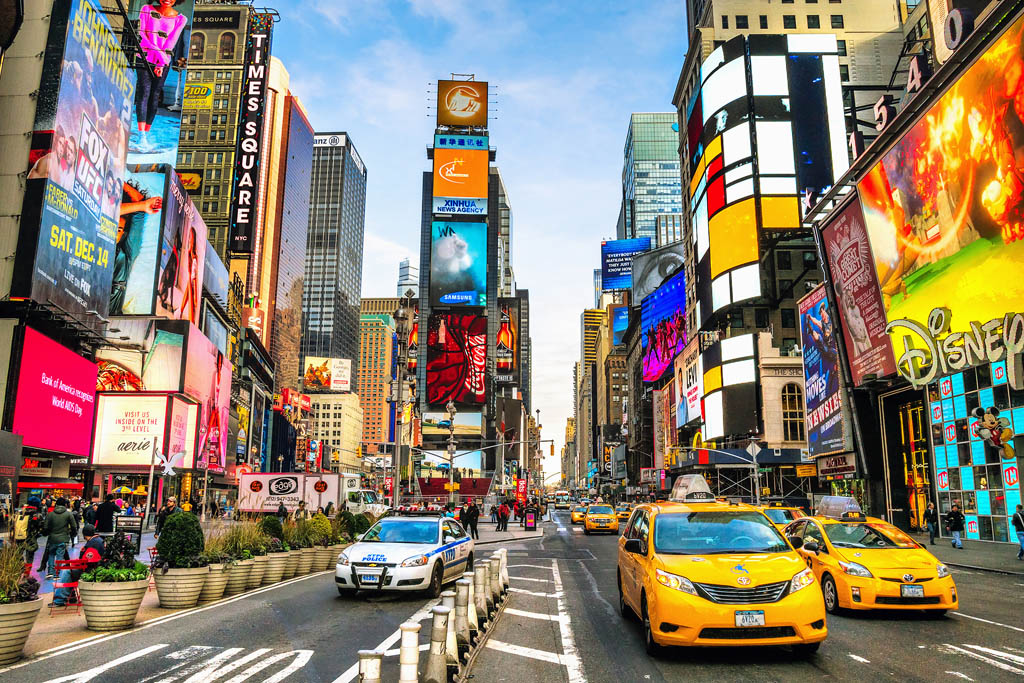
(462, 103)
(198, 96)
(807, 470)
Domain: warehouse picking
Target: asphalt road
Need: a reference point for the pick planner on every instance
(583, 637)
(303, 631)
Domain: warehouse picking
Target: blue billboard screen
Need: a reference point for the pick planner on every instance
(617, 262)
(620, 321)
(458, 264)
(663, 326)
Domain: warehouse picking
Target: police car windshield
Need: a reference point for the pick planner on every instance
(780, 516)
(712, 533)
(599, 510)
(400, 530)
(862, 535)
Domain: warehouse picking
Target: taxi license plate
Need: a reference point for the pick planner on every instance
(750, 618)
(369, 578)
(909, 590)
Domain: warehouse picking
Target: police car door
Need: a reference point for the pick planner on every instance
(454, 557)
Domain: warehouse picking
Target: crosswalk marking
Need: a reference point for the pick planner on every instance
(533, 615)
(988, 660)
(103, 668)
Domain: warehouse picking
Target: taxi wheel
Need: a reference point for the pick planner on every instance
(652, 647)
(830, 593)
(936, 613)
(586, 531)
(436, 578)
(805, 650)
(625, 610)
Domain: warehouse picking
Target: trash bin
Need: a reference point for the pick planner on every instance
(531, 521)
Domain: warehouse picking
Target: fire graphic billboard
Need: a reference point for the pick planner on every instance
(77, 164)
(456, 359)
(822, 387)
(458, 264)
(462, 103)
(944, 208)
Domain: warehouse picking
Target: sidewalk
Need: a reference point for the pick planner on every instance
(983, 555)
(515, 532)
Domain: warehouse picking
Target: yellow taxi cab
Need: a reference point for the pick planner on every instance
(866, 563)
(600, 517)
(623, 510)
(577, 514)
(781, 515)
(706, 573)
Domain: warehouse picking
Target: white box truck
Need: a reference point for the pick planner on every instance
(264, 492)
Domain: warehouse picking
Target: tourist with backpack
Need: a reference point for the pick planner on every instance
(59, 529)
(28, 526)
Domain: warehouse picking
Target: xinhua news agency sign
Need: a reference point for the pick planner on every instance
(245, 202)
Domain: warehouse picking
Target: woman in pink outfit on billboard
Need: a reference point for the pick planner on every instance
(160, 27)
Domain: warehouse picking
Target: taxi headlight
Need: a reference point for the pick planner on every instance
(415, 561)
(679, 583)
(854, 569)
(343, 560)
(942, 570)
(801, 580)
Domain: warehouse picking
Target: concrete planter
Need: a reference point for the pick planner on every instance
(216, 582)
(111, 606)
(292, 565)
(323, 558)
(16, 621)
(336, 548)
(256, 575)
(276, 562)
(305, 561)
(238, 577)
(180, 588)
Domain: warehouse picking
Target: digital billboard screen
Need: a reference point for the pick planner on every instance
(327, 374)
(456, 359)
(208, 380)
(617, 262)
(663, 327)
(160, 69)
(458, 264)
(651, 268)
(620, 321)
(822, 385)
(461, 173)
(77, 164)
(462, 103)
(55, 400)
(139, 231)
(943, 208)
(506, 350)
(182, 256)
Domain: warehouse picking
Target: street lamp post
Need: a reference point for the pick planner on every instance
(450, 413)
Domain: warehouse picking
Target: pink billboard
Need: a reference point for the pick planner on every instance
(208, 380)
(56, 399)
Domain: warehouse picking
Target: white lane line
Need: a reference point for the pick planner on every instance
(859, 659)
(103, 668)
(570, 656)
(353, 671)
(302, 658)
(986, 621)
(1013, 659)
(524, 578)
(960, 675)
(519, 650)
(534, 566)
(988, 660)
(533, 615)
(556, 594)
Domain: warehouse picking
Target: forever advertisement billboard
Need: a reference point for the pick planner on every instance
(822, 386)
(458, 264)
(462, 104)
(77, 164)
(617, 262)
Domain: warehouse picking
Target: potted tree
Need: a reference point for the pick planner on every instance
(304, 539)
(19, 604)
(216, 556)
(320, 535)
(258, 547)
(112, 592)
(180, 570)
(238, 544)
(289, 535)
(277, 551)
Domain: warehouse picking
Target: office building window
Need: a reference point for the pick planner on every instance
(741, 21)
(227, 45)
(761, 320)
(813, 21)
(788, 317)
(197, 47)
(789, 21)
(841, 44)
(736, 319)
(725, 21)
(837, 21)
(763, 19)
(784, 259)
(844, 72)
(792, 413)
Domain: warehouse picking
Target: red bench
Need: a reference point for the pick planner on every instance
(74, 600)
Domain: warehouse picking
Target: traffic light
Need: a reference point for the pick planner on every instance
(552, 449)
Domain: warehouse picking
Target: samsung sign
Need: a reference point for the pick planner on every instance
(472, 207)
(245, 205)
(329, 140)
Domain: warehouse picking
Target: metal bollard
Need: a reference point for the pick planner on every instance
(480, 593)
(496, 578)
(505, 583)
(492, 604)
(409, 653)
(369, 666)
(474, 619)
(437, 658)
(462, 634)
(452, 643)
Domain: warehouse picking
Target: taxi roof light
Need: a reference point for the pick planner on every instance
(840, 507)
(691, 487)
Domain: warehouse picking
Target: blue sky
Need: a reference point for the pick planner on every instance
(565, 77)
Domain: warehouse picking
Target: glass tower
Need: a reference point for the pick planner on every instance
(650, 173)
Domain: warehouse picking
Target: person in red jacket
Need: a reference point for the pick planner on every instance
(503, 513)
(92, 552)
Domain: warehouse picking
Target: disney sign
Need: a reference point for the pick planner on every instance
(937, 351)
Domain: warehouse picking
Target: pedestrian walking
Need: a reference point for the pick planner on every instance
(89, 515)
(105, 515)
(59, 528)
(282, 512)
(955, 525)
(92, 552)
(503, 513)
(301, 512)
(76, 511)
(1018, 526)
(329, 510)
(470, 518)
(28, 527)
(494, 513)
(166, 511)
(931, 520)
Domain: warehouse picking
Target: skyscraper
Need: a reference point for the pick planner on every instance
(334, 251)
(376, 347)
(408, 277)
(650, 173)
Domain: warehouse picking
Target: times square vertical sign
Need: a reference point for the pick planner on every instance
(246, 184)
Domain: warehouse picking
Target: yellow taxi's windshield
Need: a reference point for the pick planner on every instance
(715, 532)
(867, 535)
(781, 516)
(599, 510)
(579, 509)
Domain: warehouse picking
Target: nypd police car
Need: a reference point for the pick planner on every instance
(407, 553)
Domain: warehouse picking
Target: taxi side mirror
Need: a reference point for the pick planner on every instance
(811, 547)
(635, 546)
(795, 541)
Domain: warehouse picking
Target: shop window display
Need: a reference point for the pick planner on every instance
(976, 419)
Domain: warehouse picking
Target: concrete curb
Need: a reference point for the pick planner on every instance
(974, 567)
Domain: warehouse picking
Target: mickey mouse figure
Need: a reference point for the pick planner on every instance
(995, 430)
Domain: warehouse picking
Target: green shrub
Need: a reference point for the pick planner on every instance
(319, 529)
(101, 574)
(271, 526)
(118, 553)
(181, 542)
(348, 523)
(244, 540)
(361, 526)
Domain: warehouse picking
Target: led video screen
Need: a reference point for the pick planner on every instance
(456, 359)
(458, 264)
(617, 262)
(663, 327)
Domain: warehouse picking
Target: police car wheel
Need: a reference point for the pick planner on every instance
(830, 594)
(346, 592)
(436, 579)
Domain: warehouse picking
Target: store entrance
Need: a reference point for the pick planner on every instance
(907, 458)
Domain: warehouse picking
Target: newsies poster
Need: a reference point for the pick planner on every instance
(822, 385)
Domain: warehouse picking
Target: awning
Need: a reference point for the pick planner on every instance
(48, 483)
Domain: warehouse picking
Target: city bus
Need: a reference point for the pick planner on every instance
(561, 500)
